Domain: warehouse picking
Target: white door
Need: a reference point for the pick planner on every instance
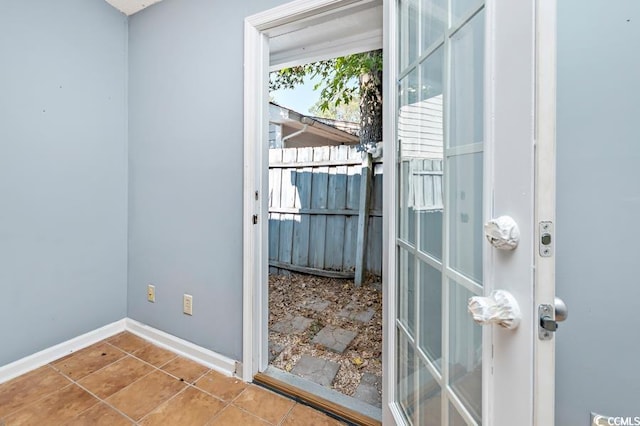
(467, 82)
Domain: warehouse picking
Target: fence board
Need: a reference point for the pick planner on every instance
(301, 226)
(337, 200)
(314, 196)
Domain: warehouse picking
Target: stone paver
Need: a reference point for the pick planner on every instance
(274, 350)
(369, 390)
(320, 371)
(295, 325)
(351, 311)
(334, 338)
(317, 305)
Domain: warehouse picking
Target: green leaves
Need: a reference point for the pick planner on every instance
(339, 77)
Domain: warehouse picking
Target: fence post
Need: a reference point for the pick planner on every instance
(363, 220)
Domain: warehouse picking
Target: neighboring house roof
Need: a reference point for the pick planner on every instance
(293, 119)
(345, 126)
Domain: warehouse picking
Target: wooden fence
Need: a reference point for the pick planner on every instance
(314, 204)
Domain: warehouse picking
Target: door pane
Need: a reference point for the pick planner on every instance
(407, 296)
(430, 223)
(465, 351)
(432, 22)
(455, 419)
(429, 399)
(461, 9)
(430, 312)
(406, 213)
(427, 150)
(467, 83)
(407, 377)
(408, 120)
(409, 31)
(465, 214)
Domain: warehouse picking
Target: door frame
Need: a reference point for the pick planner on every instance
(545, 200)
(256, 178)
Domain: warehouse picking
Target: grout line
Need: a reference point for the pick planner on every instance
(163, 402)
(102, 400)
(193, 384)
(288, 412)
(43, 396)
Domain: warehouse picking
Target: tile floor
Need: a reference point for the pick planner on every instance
(125, 380)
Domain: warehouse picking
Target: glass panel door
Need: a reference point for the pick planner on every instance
(439, 230)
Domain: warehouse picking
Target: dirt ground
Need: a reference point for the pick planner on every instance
(290, 295)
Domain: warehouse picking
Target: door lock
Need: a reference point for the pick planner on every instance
(545, 245)
(549, 317)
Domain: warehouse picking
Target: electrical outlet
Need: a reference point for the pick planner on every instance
(187, 304)
(151, 293)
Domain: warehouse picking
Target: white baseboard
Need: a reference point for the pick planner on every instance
(45, 356)
(209, 358)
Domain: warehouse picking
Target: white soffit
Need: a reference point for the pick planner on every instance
(129, 7)
(356, 28)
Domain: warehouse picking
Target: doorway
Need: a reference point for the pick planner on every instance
(490, 61)
(300, 33)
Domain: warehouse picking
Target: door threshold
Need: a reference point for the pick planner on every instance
(320, 397)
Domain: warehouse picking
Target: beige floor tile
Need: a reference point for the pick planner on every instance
(223, 387)
(88, 360)
(191, 407)
(100, 415)
(154, 355)
(116, 376)
(145, 395)
(233, 416)
(22, 391)
(128, 342)
(264, 404)
(185, 369)
(55, 409)
(303, 415)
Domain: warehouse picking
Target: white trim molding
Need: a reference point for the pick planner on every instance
(209, 358)
(206, 357)
(45, 356)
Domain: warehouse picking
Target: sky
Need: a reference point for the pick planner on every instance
(299, 99)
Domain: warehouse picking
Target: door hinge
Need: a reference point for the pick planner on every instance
(256, 195)
(255, 219)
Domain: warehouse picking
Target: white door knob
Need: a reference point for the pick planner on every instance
(500, 308)
(502, 233)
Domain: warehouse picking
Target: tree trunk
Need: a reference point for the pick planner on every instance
(371, 107)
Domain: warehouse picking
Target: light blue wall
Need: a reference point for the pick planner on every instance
(185, 188)
(63, 171)
(598, 223)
